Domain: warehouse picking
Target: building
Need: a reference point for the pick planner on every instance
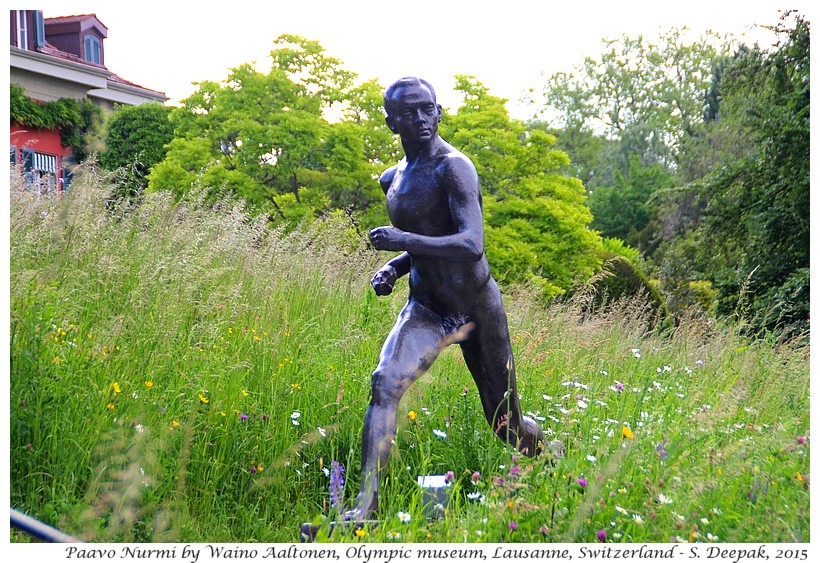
(53, 58)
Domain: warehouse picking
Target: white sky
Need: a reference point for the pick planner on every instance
(507, 45)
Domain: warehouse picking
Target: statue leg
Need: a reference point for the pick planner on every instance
(488, 355)
(409, 350)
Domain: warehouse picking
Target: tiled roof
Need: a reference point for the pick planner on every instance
(51, 50)
(77, 18)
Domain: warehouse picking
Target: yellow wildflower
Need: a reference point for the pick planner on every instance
(260, 468)
(203, 399)
(110, 406)
(116, 387)
(149, 384)
(627, 432)
(245, 393)
(174, 424)
(361, 533)
(412, 415)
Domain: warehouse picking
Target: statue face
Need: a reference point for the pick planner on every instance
(414, 114)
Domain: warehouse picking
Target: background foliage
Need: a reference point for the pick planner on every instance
(135, 140)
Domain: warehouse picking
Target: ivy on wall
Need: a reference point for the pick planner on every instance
(74, 118)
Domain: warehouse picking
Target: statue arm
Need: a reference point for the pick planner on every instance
(386, 277)
(458, 177)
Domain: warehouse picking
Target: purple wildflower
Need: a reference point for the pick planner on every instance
(581, 481)
(475, 478)
(601, 535)
(243, 417)
(661, 449)
(337, 483)
(801, 440)
(449, 477)
(512, 525)
(515, 471)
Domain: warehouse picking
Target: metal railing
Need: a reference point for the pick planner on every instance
(37, 529)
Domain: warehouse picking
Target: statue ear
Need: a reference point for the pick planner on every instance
(391, 123)
(439, 112)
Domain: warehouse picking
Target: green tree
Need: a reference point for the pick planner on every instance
(623, 210)
(135, 140)
(648, 96)
(757, 218)
(358, 148)
(536, 217)
(265, 133)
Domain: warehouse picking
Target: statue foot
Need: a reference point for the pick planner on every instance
(534, 443)
(532, 440)
(555, 449)
(362, 510)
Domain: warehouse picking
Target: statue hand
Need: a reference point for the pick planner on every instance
(386, 238)
(384, 280)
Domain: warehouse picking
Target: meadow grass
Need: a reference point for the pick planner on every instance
(182, 373)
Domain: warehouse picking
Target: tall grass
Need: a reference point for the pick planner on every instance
(182, 373)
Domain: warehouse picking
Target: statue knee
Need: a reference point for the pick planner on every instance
(386, 388)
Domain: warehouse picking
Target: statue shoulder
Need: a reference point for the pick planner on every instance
(458, 165)
(387, 177)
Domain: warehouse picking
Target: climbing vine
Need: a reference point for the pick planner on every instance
(74, 118)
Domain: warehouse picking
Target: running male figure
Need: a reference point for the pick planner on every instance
(434, 203)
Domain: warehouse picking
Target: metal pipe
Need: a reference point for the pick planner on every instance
(34, 527)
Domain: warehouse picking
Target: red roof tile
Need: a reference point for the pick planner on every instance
(77, 18)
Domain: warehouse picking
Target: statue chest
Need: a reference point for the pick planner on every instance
(416, 202)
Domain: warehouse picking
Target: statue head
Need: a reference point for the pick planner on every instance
(412, 110)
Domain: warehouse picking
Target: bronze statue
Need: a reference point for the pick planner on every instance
(434, 203)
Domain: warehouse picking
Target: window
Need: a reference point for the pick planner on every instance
(40, 175)
(39, 29)
(22, 29)
(93, 49)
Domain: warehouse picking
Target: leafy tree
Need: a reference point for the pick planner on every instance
(757, 219)
(623, 210)
(135, 140)
(647, 96)
(358, 148)
(536, 217)
(265, 132)
(630, 120)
